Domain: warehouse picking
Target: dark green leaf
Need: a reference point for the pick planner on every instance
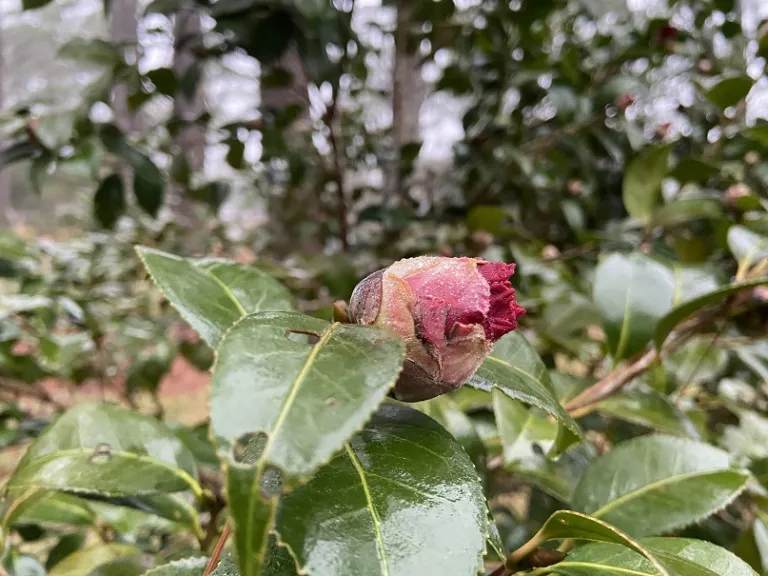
(449, 414)
(730, 91)
(67, 544)
(694, 170)
(515, 368)
(642, 182)
(212, 295)
(675, 316)
(402, 498)
(128, 566)
(655, 484)
(147, 183)
(34, 4)
(164, 79)
(632, 292)
(23, 150)
(105, 449)
(309, 399)
(109, 201)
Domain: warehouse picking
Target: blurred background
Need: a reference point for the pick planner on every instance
(320, 140)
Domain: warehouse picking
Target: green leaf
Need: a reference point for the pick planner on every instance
(685, 211)
(520, 429)
(655, 484)
(127, 566)
(565, 524)
(679, 556)
(129, 514)
(747, 246)
(309, 399)
(108, 450)
(515, 369)
(675, 316)
(67, 544)
(632, 292)
(94, 50)
(84, 561)
(694, 170)
(402, 498)
(211, 295)
(34, 4)
(651, 410)
(109, 201)
(148, 187)
(730, 91)
(446, 411)
(642, 182)
(49, 507)
(164, 79)
(184, 567)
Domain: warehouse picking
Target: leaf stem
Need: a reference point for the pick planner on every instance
(216, 555)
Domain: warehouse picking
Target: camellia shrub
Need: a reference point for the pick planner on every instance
(399, 438)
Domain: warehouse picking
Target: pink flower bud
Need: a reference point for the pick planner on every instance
(449, 311)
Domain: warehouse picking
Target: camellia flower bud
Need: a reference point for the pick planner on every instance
(449, 311)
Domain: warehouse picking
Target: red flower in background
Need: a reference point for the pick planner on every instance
(450, 311)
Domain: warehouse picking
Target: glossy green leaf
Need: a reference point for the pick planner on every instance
(642, 182)
(132, 514)
(109, 201)
(402, 498)
(148, 186)
(633, 292)
(520, 429)
(747, 246)
(447, 412)
(730, 91)
(679, 313)
(557, 478)
(105, 449)
(309, 399)
(127, 566)
(67, 544)
(655, 484)
(212, 295)
(651, 410)
(679, 556)
(84, 561)
(184, 567)
(566, 524)
(515, 368)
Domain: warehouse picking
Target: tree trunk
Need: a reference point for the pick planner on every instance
(408, 93)
(188, 105)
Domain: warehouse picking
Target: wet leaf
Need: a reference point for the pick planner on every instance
(108, 450)
(84, 561)
(515, 369)
(212, 295)
(679, 556)
(309, 399)
(655, 484)
(402, 498)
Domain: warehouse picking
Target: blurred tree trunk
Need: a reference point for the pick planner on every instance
(408, 94)
(5, 175)
(188, 107)
(123, 22)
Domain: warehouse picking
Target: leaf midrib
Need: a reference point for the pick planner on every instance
(653, 486)
(294, 391)
(371, 508)
(178, 472)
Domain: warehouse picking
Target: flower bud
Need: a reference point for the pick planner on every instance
(449, 311)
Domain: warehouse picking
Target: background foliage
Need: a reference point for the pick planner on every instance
(267, 155)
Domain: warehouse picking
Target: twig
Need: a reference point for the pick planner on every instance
(37, 392)
(216, 555)
(624, 374)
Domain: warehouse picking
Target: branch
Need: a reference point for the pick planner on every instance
(624, 374)
(37, 392)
